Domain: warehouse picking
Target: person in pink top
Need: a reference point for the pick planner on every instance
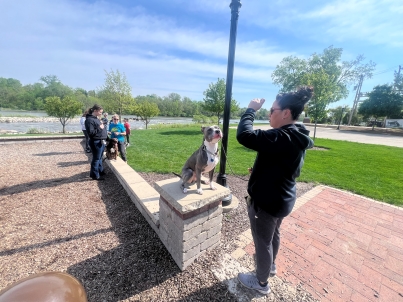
(127, 127)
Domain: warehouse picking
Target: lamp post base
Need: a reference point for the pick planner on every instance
(222, 180)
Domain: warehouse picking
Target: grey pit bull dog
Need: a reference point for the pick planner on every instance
(202, 160)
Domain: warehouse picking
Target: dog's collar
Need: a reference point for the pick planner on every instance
(211, 153)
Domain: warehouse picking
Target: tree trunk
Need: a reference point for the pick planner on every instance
(373, 126)
(314, 131)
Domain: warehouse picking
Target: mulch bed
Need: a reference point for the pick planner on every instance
(53, 217)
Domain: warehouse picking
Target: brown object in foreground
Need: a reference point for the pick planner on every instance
(49, 286)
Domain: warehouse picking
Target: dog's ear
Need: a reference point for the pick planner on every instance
(202, 129)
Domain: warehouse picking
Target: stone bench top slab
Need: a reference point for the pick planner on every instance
(170, 190)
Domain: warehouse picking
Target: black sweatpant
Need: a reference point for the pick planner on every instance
(266, 237)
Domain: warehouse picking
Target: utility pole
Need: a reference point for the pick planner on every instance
(357, 98)
(398, 75)
(394, 90)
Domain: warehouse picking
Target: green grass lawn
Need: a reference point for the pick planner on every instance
(369, 170)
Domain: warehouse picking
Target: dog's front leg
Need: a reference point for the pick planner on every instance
(198, 180)
(211, 174)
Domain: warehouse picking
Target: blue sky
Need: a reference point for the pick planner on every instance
(181, 46)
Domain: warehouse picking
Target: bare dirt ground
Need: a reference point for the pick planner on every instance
(53, 217)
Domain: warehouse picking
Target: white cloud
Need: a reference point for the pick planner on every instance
(77, 40)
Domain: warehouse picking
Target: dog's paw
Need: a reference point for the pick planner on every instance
(212, 187)
(205, 182)
(200, 191)
(185, 190)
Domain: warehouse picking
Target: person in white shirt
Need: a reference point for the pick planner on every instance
(87, 138)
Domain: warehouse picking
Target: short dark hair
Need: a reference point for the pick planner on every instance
(295, 101)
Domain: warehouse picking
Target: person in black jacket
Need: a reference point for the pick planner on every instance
(97, 132)
(272, 187)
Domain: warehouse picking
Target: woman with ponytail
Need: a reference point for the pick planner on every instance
(97, 133)
(272, 187)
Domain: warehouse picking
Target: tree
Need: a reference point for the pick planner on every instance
(398, 82)
(146, 111)
(214, 100)
(337, 114)
(116, 91)
(10, 91)
(382, 101)
(324, 88)
(64, 109)
(53, 87)
(172, 105)
(32, 96)
(289, 73)
(323, 69)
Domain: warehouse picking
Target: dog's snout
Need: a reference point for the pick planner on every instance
(217, 131)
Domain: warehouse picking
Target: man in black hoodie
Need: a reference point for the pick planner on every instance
(97, 132)
(272, 186)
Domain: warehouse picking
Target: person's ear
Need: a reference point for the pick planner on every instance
(287, 114)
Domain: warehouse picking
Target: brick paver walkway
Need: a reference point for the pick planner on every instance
(341, 246)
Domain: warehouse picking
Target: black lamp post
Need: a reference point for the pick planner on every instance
(222, 177)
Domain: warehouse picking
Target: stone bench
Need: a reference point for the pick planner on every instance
(187, 224)
(143, 195)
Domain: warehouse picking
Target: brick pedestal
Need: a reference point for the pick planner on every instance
(189, 224)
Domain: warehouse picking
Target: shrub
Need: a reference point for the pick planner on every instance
(36, 131)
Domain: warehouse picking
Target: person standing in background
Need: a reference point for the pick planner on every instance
(117, 130)
(127, 127)
(87, 138)
(98, 134)
(104, 120)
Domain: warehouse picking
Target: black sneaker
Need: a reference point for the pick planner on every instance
(102, 173)
(99, 178)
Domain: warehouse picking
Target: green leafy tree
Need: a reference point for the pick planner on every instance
(323, 91)
(289, 73)
(262, 114)
(172, 105)
(10, 92)
(293, 72)
(189, 107)
(116, 91)
(337, 114)
(356, 119)
(53, 87)
(32, 96)
(146, 111)
(64, 109)
(382, 101)
(214, 99)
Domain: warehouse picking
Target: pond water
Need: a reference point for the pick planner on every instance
(74, 126)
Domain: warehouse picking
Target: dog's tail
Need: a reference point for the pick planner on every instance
(180, 176)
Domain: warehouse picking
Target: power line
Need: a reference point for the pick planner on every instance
(383, 71)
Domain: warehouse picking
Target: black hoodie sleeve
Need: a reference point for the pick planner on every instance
(260, 140)
(93, 129)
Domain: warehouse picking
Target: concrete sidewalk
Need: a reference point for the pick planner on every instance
(340, 246)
